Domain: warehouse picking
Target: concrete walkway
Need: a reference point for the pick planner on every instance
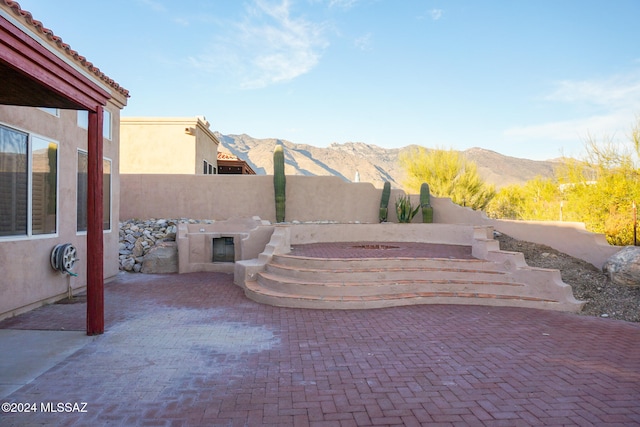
(25, 355)
(192, 350)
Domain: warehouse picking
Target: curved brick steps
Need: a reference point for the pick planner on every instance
(302, 262)
(359, 283)
(372, 287)
(284, 299)
(380, 269)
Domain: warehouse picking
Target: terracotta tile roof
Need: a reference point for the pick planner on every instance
(226, 156)
(64, 47)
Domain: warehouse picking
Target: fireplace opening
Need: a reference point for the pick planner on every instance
(223, 249)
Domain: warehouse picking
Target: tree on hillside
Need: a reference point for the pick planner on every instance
(635, 136)
(601, 189)
(508, 203)
(598, 190)
(448, 174)
(538, 199)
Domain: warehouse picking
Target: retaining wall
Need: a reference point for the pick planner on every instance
(329, 199)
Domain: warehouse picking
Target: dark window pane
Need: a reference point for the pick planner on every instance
(81, 206)
(13, 182)
(44, 182)
(106, 199)
(83, 189)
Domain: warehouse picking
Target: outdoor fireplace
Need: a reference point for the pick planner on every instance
(223, 249)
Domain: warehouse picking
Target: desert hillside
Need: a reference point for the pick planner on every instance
(372, 163)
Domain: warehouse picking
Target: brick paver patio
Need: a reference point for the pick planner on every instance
(381, 250)
(192, 350)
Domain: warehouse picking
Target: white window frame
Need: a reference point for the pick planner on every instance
(53, 111)
(106, 124)
(110, 161)
(104, 159)
(82, 121)
(29, 235)
(210, 168)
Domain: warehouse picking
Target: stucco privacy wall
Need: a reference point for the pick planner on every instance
(27, 279)
(325, 199)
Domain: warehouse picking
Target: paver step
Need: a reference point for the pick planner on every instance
(258, 293)
(302, 262)
(325, 285)
(356, 272)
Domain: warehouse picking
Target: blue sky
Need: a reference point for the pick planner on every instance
(525, 78)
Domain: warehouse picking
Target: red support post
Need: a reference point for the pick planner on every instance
(95, 244)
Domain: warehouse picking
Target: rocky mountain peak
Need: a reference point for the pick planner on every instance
(372, 163)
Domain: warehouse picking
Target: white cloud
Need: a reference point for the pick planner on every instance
(184, 22)
(154, 5)
(267, 46)
(436, 14)
(571, 130)
(609, 107)
(364, 42)
(617, 91)
(343, 4)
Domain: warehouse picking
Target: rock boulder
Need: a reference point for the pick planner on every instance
(163, 258)
(623, 267)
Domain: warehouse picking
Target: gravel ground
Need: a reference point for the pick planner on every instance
(604, 298)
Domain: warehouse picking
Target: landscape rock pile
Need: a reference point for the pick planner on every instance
(140, 237)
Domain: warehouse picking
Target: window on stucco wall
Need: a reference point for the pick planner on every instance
(28, 184)
(83, 122)
(82, 192)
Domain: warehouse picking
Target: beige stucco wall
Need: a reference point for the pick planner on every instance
(27, 279)
(450, 234)
(326, 199)
(171, 145)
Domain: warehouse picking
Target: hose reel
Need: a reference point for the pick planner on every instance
(63, 258)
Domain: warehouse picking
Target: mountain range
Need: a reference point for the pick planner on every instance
(372, 163)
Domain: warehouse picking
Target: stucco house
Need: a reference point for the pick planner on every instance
(59, 162)
(229, 164)
(168, 145)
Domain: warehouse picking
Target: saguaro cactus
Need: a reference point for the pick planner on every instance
(279, 182)
(425, 204)
(384, 201)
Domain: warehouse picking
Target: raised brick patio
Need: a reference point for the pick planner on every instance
(381, 250)
(192, 350)
(381, 274)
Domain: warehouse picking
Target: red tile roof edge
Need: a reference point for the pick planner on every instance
(226, 156)
(39, 27)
